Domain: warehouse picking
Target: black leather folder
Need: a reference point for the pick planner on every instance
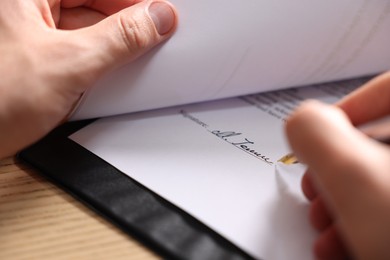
(139, 212)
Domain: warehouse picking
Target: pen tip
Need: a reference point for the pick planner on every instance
(289, 159)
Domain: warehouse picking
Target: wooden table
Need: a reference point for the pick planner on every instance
(40, 221)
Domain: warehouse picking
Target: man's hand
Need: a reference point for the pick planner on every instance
(348, 178)
(52, 51)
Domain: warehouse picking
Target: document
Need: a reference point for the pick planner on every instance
(218, 161)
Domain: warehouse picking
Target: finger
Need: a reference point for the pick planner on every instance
(77, 14)
(337, 154)
(103, 6)
(120, 38)
(308, 188)
(369, 102)
(79, 17)
(349, 169)
(330, 246)
(134, 30)
(319, 215)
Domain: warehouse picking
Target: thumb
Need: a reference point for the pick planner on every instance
(349, 170)
(124, 36)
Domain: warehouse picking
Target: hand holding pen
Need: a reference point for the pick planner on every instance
(348, 179)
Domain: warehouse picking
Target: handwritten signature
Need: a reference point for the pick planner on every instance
(245, 145)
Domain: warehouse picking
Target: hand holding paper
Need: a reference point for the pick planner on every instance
(52, 51)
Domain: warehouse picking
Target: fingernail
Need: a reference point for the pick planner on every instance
(163, 17)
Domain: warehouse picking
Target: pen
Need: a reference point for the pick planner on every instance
(292, 159)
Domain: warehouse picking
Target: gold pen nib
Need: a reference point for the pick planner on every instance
(289, 159)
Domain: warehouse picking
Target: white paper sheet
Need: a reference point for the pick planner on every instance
(217, 162)
(225, 48)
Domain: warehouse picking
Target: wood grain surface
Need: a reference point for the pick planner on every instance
(40, 221)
